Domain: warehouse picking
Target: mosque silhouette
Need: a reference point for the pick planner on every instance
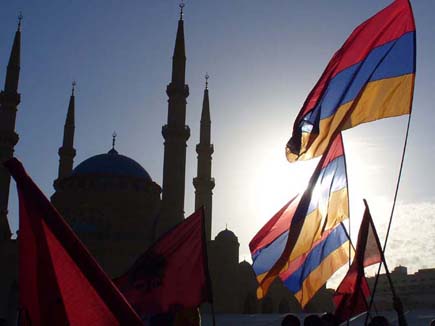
(117, 210)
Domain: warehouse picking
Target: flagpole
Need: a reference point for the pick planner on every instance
(391, 216)
(387, 271)
(18, 317)
(348, 206)
(212, 313)
(205, 244)
(403, 156)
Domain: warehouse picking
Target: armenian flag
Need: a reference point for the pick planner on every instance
(308, 273)
(370, 77)
(305, 221)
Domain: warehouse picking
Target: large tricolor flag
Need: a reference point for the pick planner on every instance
(306, 228)
(369, 78)
(305, 275)
(60, 283)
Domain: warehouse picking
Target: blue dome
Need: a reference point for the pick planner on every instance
(111, 163)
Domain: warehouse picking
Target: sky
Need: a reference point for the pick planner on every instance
(263, 58)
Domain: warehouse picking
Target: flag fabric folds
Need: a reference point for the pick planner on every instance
(353, 291)
(306, 274)
(304, 222)
(369, 78)
(173, 273)
(59, 281)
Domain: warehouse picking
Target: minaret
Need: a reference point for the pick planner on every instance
(176, 134)
(67, 151)
(203, 182)
(9, 100)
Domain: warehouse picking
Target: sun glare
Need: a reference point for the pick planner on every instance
(278, 181)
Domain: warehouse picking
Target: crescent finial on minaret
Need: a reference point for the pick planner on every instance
(20, 19)
(206, 80)
(114, 139)
(181, 5)
(73, 87)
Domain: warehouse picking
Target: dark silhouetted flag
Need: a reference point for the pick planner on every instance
(59, 281)
(369, 78)
(350, 298)
(302, 224)
(173, 273)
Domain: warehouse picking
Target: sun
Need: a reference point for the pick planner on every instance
(277, 181)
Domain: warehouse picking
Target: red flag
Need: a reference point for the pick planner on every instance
(59, 281)
(173, 273)
(350, 296)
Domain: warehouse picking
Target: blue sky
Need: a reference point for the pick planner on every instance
(263, 58)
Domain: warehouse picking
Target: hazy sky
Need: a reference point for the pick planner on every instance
(263, 58)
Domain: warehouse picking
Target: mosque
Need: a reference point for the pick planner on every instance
(116, 208)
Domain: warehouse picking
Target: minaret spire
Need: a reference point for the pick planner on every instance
(181, 5)
(179, 57)
(20, 19)
(176, 134)
(203, 182)
(9, 100)
(67, 151)
(13, 70)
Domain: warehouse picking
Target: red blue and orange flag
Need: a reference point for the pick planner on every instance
(369, 78)
(305, 235)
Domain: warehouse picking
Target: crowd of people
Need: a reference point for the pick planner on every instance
(327, 319)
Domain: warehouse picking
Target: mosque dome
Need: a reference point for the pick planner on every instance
(226, 235)
(113, 164)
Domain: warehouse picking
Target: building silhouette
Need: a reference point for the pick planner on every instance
(416, 291)
(116, 208)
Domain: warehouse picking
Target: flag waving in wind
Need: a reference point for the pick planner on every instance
(173, 273)
(59, 281)
(369, 78)
(304, 222)
(350, 296)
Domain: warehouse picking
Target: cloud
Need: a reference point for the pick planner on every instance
(411, 242)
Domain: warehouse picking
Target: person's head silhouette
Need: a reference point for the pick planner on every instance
(290, 320)
(329, 319)
(379, 321)
(313, 320)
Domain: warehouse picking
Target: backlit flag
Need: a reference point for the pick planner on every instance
(369, 78)
(305, 220)
(59, 281)
(173, 273)
(305, 275)
(350, 296)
